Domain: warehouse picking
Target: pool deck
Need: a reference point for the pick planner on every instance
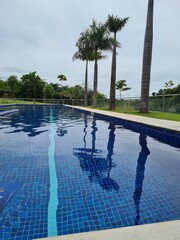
(157, 231)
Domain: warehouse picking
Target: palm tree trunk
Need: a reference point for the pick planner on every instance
(147, 56)
(112, 100)
(86, 84)
(95, 83)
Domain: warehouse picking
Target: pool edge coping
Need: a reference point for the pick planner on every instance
(169, 230)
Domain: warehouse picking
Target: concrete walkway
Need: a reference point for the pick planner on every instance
(157, 231)
(167, 124)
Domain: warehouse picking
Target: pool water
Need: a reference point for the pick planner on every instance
(64, 171)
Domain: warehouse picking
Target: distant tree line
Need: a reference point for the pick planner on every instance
(32, 85)
(168, 89)
(167, 98)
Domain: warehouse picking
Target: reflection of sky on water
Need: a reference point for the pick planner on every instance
(34, 120)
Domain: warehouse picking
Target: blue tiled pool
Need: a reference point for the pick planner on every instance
(64, 171)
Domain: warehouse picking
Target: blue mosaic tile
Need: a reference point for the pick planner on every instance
(111, 173)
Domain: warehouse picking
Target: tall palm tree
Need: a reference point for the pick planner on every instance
(62, 78)
(147, 56)
(84, 53)
(114, 24)
(101, 41)
(122, 86)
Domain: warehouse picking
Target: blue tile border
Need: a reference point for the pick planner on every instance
(164, 135)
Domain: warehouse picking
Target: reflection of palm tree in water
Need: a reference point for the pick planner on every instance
(93, 133)
(91, 161)
(108, 183)
(85, 130)
(110, 146)
(140, 173)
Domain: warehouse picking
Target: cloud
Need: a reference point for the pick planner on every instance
(13, 70)
(41, 35)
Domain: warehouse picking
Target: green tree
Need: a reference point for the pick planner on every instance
(32, 85)
(168, 89)
(62, 78)
(176, 90)
(3, 88)
(168, 85)
(48, 91)
(75, 92)
(122, 86)
(13, 85)
(101, 96)
(100, 41)
(114, 24)
(147, 56)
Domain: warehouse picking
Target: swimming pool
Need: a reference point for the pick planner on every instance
(64, 171)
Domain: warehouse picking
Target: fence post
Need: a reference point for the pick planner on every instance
(163, 103)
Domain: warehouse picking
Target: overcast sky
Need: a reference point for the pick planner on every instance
(40, 35)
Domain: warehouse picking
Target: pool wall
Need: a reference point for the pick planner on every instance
(164, 135)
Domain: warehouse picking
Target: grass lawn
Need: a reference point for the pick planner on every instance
(151, 114)
(12, 101)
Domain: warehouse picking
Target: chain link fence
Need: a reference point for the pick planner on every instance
(163, 103)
